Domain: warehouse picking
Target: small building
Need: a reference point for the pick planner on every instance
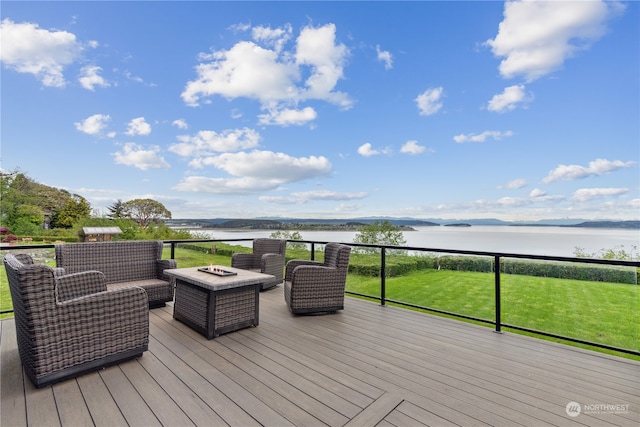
(99, 234)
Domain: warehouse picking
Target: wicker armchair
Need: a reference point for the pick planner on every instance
(72, 324)
(316, 287)
(267, 257)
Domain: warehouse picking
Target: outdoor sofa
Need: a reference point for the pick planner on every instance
(72, 324)
(123, 263)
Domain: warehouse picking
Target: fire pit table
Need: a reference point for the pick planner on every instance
(217, 299)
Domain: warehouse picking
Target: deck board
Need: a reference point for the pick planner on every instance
(366, 365)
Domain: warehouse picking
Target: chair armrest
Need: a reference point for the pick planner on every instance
(165, 264)
(244, 260)
(292, 264)
(71, 286)
(273, 264)
(58, 272)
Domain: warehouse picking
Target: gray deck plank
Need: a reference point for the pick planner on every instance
(366, 365)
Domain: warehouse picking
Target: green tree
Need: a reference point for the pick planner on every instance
(379, 233)
(117, 210)
(73, 210)
(146, 211)
(289, 235)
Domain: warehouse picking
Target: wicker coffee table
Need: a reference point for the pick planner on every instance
(218, 299)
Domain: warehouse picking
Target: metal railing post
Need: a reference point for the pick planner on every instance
(173, 250)
(383, 275)
(313, 251)
(497, 295)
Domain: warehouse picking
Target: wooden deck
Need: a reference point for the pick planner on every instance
(365, 366)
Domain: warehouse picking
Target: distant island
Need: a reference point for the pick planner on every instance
(354, 224)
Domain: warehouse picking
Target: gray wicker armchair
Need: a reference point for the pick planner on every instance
(316, 287)
(72, 324)
(267, 257)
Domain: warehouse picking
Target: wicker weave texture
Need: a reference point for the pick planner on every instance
(123, 263)
(267, 257)
(312, 286)
(62, 333)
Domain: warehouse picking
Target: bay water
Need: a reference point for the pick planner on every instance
(529, 240)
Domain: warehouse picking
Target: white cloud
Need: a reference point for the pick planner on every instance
(255, 172)
(270, 166)
(509, 99)
(287, 117)
(516, 184)
(536, 37)
(385, 57)
(93, 125)
(138, 126)
(136, 156)
(180, 124)
(596, 167)
(273, 75)
(207, 142)
(587, 194)
(367, 150)
(429, 101)
(27, 48)
(89, 78)
(482, 137)
(536, 193)
(412, 147)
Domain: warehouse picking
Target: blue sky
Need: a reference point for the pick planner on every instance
(453, 110)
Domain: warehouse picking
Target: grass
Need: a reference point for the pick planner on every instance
(605, 313)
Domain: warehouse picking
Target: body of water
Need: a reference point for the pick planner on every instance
(550, 241)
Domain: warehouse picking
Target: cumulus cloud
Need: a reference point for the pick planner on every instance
(93, 125)
(264, 70)
(516, 184)
(255, 172)
(89, 78)
(595, 168)
(287, 117)
(385, 57)
(138, 126)
(180, 124)
(509, 99)
(27, 48)
(367, 150)
(482, 137)
(536, 193)
(141, 158)
(429, 102)
(587, 194)
(536, 37)
(412, 147)
(208, 142)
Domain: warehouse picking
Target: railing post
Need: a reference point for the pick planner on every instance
(173, 250)
(497, 295)
(313, 251)
(383, 275)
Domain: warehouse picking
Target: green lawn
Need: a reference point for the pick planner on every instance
(606, 313)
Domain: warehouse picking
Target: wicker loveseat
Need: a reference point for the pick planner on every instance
(317, 287)
(267, 257)
(72, 324)
(124, 263)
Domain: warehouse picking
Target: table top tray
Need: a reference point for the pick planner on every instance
(217, 271)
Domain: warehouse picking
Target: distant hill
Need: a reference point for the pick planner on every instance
(608, 224)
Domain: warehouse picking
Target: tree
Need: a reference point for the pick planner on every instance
(73, 210)
(145, 211)
(117, 210)
(379, 233)
(289, 235)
